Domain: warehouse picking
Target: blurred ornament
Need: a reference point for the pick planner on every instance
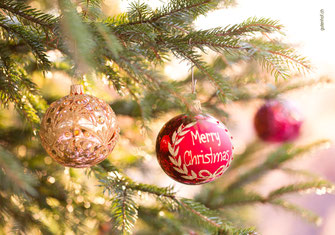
(278, 121)
(79, 130)
(194, 149)
(106, 229)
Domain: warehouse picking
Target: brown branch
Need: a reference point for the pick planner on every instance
(179, 28)
(158, 57)
(215, 44)
(275, 67)
(290, 58)
(129, 74)
(267, 36)
(199, 214)
(283, 55)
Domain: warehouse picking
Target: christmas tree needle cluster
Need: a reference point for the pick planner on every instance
(129, 50)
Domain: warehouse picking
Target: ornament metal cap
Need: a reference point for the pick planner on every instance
(196, 107)
(77, 89)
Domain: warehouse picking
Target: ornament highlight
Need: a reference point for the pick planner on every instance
(194, 149)
(278, 121)
(79, 130)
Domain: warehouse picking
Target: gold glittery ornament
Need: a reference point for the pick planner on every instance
(79, 130)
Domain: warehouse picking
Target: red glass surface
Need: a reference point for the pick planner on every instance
(194, 149)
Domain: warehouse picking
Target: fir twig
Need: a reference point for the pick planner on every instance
(320, 186)
(274, 160)
(12, 176)
(194, 7)
(31, 15)
(306, 214)
(29, 37)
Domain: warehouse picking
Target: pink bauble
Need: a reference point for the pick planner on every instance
(278, 121)
(194, 149)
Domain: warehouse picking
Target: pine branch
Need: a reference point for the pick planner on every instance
(24, 220)
(276, 57)
(17, 88)
(12, 176)
(116, 181)
(251, 26)
(276, 159)
(240, 197)
(22, 10)
(287, 54)
(165, 89)
(306, 214)
(209, 218)
(14, 136)
(124, 210)
(116, 178)
(176, 7)
(319, 186)
(161, 221)
(246, 156)
(124, 207)
(80, 40)
(29, 37)
(243, 197)
(300, 173)
(200, 211)
(148, 78)
(121, 83)
(109, 39)
(278, 88)
(91, 9)
(235, 197)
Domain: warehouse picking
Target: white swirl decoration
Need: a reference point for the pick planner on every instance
(177, 138)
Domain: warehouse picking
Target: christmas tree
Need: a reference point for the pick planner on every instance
(48, 45)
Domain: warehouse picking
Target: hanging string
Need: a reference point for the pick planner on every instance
(78, 75)
(76, 72)
(72, 80)
(194, 81)
(196, 105)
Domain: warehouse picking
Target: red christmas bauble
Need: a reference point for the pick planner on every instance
(278, 121)
(194, 149)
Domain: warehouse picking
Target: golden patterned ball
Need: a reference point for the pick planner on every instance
(79, 130)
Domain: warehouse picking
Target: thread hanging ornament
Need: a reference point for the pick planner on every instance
(278, 121)
(79, 130)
